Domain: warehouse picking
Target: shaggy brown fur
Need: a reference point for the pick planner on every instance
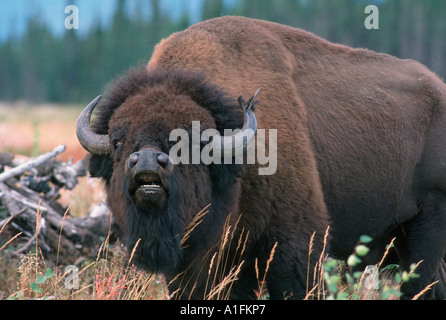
(360, 148)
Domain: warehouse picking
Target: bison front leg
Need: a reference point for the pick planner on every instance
(440, 288)
(426, 242)
(290, 274)
(247, 285)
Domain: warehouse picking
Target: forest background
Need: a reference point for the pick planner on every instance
(39, 65)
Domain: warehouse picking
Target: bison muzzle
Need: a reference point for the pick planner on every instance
(147, 174)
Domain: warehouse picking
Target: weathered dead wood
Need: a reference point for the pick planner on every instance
(31, 186)
(31, 164)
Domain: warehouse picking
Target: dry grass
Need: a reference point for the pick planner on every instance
(221, 271)
(102, 279)
(108, 277)
(111, 276)
(220, 263)
(30, 129)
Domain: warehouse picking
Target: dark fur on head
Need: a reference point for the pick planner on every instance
(191, 186)
(224, 109)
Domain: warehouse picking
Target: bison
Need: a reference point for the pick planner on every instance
(361, 148)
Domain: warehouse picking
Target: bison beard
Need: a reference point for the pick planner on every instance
(155, 235)
(156, 238)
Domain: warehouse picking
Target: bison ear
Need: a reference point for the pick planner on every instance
(101, 167)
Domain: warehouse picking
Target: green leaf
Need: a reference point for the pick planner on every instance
(396, 293)
(365, 239)
(398, 278)
(385, 295)
(362, 250)
(405, 276)
(349, 278)
(353, 260)
(49, 273)
(414, 276)
(333, 288)
(335, 279)
(35, 288)
(40, 279)
(330, 264)
(390, 267)
(342, 296)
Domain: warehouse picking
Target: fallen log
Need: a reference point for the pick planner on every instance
(31, 164)
(29, 193)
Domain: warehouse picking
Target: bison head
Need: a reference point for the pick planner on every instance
(153, 199)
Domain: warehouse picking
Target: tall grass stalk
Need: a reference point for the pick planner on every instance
(318, 270)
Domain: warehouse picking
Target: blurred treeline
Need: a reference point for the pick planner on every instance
(75, 68)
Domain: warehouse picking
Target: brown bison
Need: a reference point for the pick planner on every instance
(361, 148)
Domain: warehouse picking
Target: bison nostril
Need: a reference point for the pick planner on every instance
(133, 159)
(163, 160)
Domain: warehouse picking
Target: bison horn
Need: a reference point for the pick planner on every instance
(241, 140)
(94, 143)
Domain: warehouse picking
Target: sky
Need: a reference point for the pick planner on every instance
(15, 13)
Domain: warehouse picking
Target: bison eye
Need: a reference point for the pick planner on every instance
(116, 144)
